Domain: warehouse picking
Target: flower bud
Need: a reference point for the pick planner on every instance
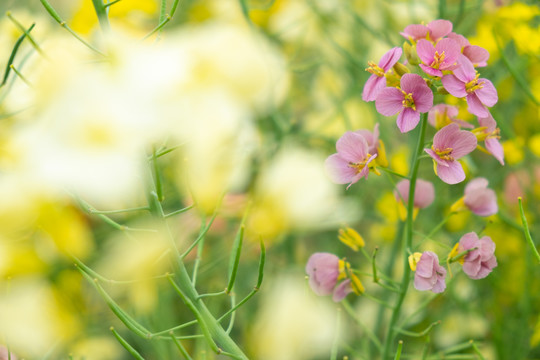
(410, 53)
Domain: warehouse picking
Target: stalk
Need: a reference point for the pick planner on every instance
(407, 242)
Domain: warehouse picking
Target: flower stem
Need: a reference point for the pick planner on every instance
(407, 245)
(526, 230)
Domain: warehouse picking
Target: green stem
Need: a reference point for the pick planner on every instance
(391, 333)
(526, 230)
(439, 226)
(215, 336)
(103, 17)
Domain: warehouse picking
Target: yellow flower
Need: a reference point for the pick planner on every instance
(351, 238)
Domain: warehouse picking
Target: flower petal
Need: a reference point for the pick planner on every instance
(463, 143)
(431, 71)
(407, 120)
(342, 290)
(389, 101)
(411, 82)
(415, 31)
(425, 51)
(352, 147)
(390, 58)
(460, 39)
(487, 94)
(476, 54)
(338, 169)
(424, 194)
(423, 97)
(451, 51)
(439, 28)
(495, 148)
(454, 86)
(475, 106)
(374, 85)
(465, 72)
(451, 174)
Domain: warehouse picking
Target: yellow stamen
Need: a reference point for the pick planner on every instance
(408, 100)
(414, 259)
(473, 85)
(437, 59)
(375, 69)
(360, 165)
(444, 154)
(351, 238)
(481, 134)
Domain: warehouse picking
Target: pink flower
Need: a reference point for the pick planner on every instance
(464, 82)
(435, 59)
(372, 138)
(351, 163)
(4, 355)
(441, 115)
(478, 263)
(433, 31)
(423, 196)
(476, 54)
(490, 134)
(342, 290)
(377, 81)
(450, 144)
(429, 275)
(479, 199)
(323, 272)
(413, 98)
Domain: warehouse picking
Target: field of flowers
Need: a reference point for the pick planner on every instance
(269, 179)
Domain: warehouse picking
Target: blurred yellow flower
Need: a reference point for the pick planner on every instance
(513, 151)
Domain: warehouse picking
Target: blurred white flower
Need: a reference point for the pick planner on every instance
(293, 323)
(33, 322)
(293, 192)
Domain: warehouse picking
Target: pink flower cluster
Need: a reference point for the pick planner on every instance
(324, 273)
(437, 61)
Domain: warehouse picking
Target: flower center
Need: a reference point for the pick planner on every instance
(359, 166)
(481, 133)
(444, 154)
(473, 85)
(408, 100)
(437, 59)
(375, 69)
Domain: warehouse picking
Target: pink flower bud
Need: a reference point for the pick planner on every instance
(478, 263)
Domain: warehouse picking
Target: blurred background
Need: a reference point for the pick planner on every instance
(234, 105)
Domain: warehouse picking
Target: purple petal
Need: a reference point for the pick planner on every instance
(471, 268)
(410, 82)
(475, 106)
(468, 241)
(439, 28)
(407, 120)
(444, 138)
(323, 271)
(431, 71)
(423, 97)
(451, 174)
(338, 169)
(465, 72)
(424, 267)
(476, 54)
(374, 85)
(454, 86)
(463, 143)
(460, 39)
(451, 51)
(423, 284)
(489, 122)
(415, 31)
(389, 102)
(352, 147)
(402, 191)
(436, 157)
(439, 286)
(424, 194)
(479, 199)
(495, 148)
(425, 51)
(390, 58)
(487, 94)
(342, 290)
(486, 248)
(372, 138)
